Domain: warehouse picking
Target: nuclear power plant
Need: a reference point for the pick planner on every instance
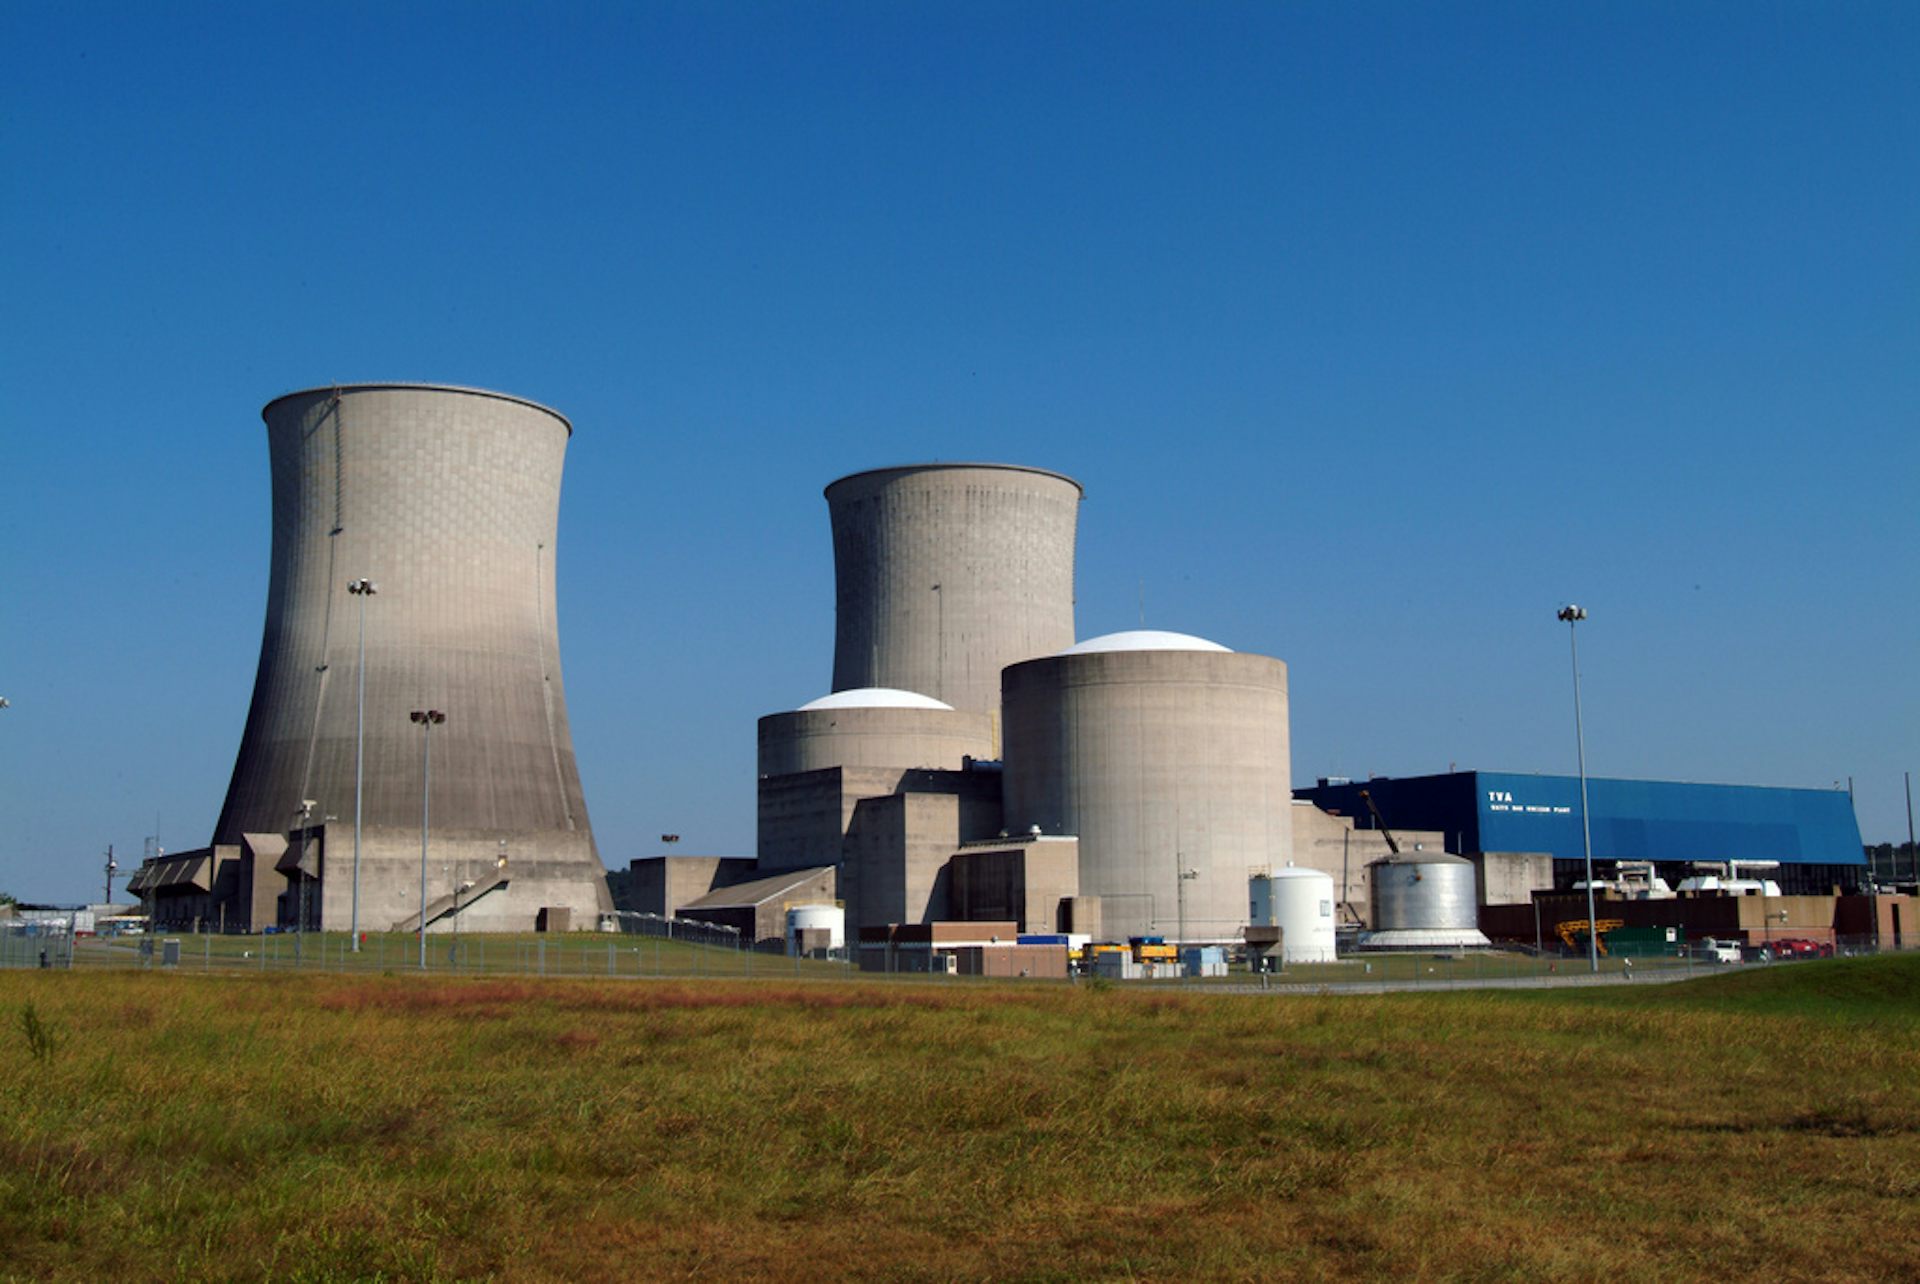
(975, 777)
(409, 674)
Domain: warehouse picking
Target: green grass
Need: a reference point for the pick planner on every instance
(314, 1126)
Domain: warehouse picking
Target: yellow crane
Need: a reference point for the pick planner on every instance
(1572, 927)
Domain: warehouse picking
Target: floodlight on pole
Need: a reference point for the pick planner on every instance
(362, 589)
(1572, 615)
(428, 720)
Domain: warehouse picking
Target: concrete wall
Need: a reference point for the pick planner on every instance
(897, 850)
(809, 739)
(543, 869)
(996, 540)
(447, 499)
(1511, 878)
(1025, 881)
(1147, 754)
(662, 884)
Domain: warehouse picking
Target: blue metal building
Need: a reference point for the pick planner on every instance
(1811, 832)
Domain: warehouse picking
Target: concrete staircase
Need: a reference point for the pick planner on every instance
(443, 907)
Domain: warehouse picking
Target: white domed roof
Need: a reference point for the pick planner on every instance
(875, 698)
(1144, 640)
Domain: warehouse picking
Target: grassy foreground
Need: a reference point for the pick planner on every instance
(326, 1127)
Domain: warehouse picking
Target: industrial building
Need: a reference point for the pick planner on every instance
(1680, 828)
(410, 636)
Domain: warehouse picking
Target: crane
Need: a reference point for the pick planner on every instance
(1380, 823)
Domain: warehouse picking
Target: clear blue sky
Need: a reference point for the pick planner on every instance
(1375, 333)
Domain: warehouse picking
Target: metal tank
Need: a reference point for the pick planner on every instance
(1167, 756)
(872, 727)
(1422, 900)
(445, 500)
(944, 574)
(1299, 901)
(829, 920)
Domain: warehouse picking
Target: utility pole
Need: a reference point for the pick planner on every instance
(111, 868)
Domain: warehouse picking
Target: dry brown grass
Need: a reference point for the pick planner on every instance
(319, 1128)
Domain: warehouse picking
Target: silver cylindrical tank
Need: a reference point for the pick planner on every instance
(872, 728)
(1421, 899)
(944, 574)
(1167, 756)
(446, 499)
(1300, 901)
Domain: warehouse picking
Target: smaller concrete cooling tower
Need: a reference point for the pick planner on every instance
(944, 574)
(1167, 756)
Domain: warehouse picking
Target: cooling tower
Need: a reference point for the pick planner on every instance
(447, 500)
(944, 574)
(1167, 756)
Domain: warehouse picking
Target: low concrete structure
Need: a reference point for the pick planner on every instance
(927, 947)
(662, 885)
(888, 831)
(1752, 920)
(265, 879)
(758, 909)
(1027, 880)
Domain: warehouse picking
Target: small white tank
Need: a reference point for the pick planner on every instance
(1299, 901)
(831, 919)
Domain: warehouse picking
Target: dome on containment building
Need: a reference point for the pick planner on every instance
(875, 698)
(1143, 640)
(1168, 757)
(872, 727)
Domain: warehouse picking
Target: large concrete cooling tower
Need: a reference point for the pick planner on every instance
(944, 574)
(1167, 755)
(447, 500)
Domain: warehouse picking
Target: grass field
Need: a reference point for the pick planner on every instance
(316, 1126)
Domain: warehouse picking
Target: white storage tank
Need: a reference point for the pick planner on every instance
(1300, 902)
(831, 919)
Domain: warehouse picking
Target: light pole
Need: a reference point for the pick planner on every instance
(428, 719)
(1573, 615)
(361, 589)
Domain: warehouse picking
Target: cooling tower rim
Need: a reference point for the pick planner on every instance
(943, 467)
(418, 387)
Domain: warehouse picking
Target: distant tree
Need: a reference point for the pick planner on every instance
(8, 898)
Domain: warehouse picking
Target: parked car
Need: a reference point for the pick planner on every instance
(1716, 951)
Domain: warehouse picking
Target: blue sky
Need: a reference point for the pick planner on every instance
(1375, 333)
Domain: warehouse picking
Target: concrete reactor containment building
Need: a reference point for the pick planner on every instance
(944, 574)
(414, 524)
(1167, 756)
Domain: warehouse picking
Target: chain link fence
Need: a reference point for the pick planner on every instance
(642, 946)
